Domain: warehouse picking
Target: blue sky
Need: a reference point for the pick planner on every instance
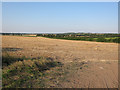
(54, 17)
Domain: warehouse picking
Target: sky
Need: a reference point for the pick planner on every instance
(58, 17)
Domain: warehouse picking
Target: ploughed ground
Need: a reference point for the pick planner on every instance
(85, 64)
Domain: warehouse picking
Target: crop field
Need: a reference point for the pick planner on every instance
(40, 62)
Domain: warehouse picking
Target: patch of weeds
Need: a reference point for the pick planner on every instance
(44, 74)
(18, 73)
(80, 67)
(42, 84)
(14, 83)
(11, 71)
(8, 60)
(57, 74)
(62, 78)
(86, 66)
(8, 73)
(59, 69)
(23, 58)
(59, 64)
(4, 76)
(37, 58)
(28, 69)
(52, 64)
(11, 49)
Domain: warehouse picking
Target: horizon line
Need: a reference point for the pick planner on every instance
(59, 32)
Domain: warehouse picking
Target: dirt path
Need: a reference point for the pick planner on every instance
(92, 75)
(86, 64)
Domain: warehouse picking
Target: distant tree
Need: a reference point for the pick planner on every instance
(116, 40)
(101, 39)
(90, 39)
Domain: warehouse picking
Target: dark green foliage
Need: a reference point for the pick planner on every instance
(117, 40)
(85, 37)
(101, 39)
(90, 39)
(7, 59)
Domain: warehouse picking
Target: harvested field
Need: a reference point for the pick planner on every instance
(85, 64)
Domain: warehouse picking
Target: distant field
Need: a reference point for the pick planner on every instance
(39, 62)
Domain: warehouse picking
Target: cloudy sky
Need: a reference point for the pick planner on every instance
(55, 17)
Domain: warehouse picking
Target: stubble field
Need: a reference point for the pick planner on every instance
(84, 64)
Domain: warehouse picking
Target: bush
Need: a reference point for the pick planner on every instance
(101, 39)
(116, 40)
(90, 39)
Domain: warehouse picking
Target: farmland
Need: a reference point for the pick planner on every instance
(96, 37)
(40, 62)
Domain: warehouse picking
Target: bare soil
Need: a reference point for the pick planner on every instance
(86, 64)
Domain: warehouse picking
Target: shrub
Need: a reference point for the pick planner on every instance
(101, 39)
(90, 39)
(116, 40)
